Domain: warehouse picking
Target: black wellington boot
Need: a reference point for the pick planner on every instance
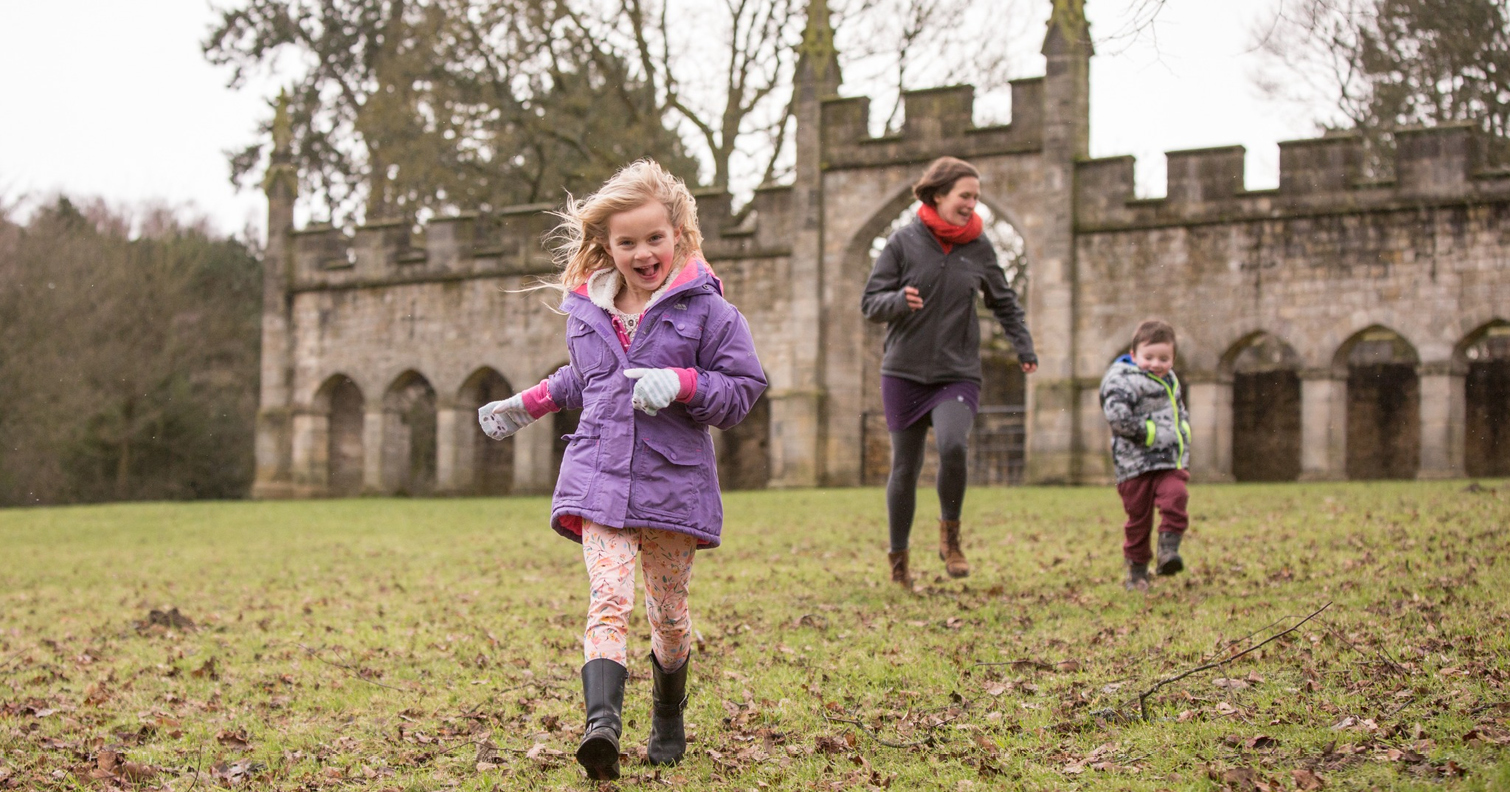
(603, 690)
(668, 740)
(1169, 554)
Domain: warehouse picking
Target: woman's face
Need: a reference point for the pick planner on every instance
(958, 204)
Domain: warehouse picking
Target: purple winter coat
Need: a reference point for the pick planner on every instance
(626, 469)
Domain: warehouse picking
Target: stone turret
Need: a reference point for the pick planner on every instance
(1055, 400)
(796, 395)
(274, 416)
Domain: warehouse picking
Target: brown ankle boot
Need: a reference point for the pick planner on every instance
(899, 572)
(949, 552)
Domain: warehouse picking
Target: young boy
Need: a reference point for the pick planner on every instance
(1141, 397)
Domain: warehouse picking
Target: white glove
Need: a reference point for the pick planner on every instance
(654, 389)
(500, 419)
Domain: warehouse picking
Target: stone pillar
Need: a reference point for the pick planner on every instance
(373, 436)
(1444, 413)
(310, 466)
(1323, 425)
(1095, 445)
(453, 449)
(1210, 405)
(797, 418)
(1055, 443)
(274, 429)
(532, 458)
(395, 449)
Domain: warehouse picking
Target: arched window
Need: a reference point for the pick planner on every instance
(1487, 393)
(492, 461)
(997, 442)
(1265, 410)
(344, 455)
(409, 450)
(1383, 406)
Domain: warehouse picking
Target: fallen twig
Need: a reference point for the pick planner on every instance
(1143, 697)
(1389, 661)
(425, 757)
(1396, 711)
(1027, 661)
(198, 763)
(355, 672)
(927, 740)
(547, 682)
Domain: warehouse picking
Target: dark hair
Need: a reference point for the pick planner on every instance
(940, 178)
(1153, 331)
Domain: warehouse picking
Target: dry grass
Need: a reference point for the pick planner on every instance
(420, 645)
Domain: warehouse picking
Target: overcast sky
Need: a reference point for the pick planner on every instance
(113, 98)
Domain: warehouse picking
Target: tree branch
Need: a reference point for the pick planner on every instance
(1143, 697)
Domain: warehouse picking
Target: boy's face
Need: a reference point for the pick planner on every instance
(1156, 359)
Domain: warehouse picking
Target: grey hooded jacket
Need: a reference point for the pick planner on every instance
(940, 342)
(1150, 426)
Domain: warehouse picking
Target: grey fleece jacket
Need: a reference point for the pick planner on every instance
(939, 342)
(1150, 426)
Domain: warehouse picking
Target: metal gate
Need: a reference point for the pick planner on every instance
(997, 448)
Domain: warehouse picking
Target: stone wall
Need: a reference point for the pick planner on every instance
(1321, 263)
(1347, 326)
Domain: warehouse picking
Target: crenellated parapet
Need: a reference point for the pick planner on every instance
(761, 229)
(504, 243)
(509, 242)
(1434, 165)
(938, 119)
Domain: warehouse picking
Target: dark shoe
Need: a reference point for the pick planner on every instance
(1169, 554)
(949, 552)
(1137, 577)
(603, 690)
(899, 573)
(668, 740)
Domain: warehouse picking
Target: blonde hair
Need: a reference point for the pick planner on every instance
(579, 242)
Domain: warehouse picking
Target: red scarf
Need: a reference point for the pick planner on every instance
(947, 233)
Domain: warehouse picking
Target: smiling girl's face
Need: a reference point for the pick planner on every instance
(642, 244)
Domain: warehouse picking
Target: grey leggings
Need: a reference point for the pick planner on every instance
(951, 422)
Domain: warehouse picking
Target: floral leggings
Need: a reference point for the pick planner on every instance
(667, 560)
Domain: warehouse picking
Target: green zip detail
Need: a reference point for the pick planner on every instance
(1175, 405)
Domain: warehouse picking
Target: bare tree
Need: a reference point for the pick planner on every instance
(1385, 64)
(405, 106)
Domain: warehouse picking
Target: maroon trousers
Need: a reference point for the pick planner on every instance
(1162, 488)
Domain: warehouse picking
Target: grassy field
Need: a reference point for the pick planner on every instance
(434, 644)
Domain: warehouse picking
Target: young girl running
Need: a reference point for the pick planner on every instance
(657, 355)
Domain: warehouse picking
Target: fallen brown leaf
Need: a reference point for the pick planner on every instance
(1306, 781)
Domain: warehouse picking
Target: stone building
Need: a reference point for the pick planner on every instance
(1335, 327)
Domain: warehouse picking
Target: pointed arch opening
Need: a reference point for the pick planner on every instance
(344, 406)
(491, 461)
(563, 424)
(1383, 405)
(409, 427)
(744, 452)
(1266, 413)
(1486, 391)
(998, 439)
